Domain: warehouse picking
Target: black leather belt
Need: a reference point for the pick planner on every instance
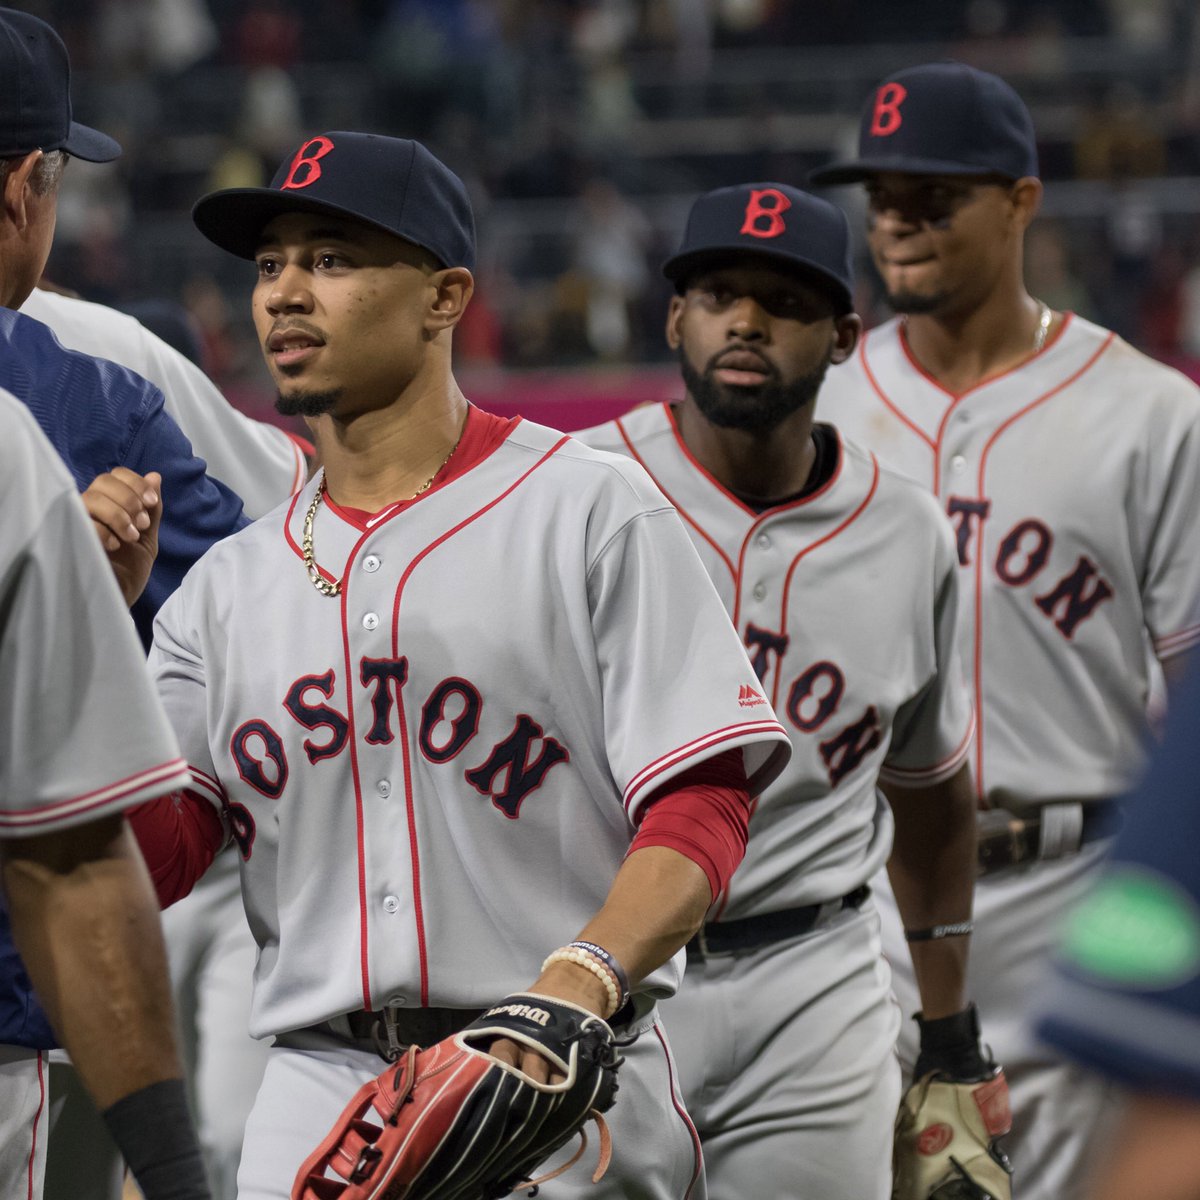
(1008, 839)
(413, 1026)
(747, 933)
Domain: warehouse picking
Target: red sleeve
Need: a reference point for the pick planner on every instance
(179, 836)
(704, 814)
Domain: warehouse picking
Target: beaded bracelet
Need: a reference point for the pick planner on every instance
(581, 958)
(936, 932)
(609, 960)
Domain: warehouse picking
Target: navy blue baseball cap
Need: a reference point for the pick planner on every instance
(943, 118)
(389, 183)
(35, 94)
(771, 221)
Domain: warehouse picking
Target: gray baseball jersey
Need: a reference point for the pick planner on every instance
(1073, 484)
(846, 601)
(83, 731)
(259, 462)
(434, 777)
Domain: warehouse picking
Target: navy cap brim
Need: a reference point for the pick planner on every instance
(858, 169)
(235, 218)
(683, 265)
(90, 144)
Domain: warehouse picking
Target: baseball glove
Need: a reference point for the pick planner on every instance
(950, 1121)
(453, 1123)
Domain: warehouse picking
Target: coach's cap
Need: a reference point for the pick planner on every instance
(35, 94)
(771, 221)
(390, 183)
(943, 118)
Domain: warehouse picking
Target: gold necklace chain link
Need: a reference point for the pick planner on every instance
(1045, 316)
(333, 587)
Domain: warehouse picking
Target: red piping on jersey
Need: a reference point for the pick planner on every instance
(359, 832)
(36, 1117)
(758, 519)
(787, 580)
(980, 788)
(202, 783)
(170, 774)
(900, 416)
(414, 849)
(364, 962)
(957, 397)
(1171, 644)
(683, 1115)
(683, 512)
(939, 770)
(706, 742)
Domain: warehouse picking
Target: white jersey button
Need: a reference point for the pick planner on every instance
(384, 787)
(958, 464)
(760, 591)
(370, 621)
(395, 1002)
(763, 541)
(371, 562)
(391, 903)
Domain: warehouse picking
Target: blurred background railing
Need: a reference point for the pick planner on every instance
(584, 128)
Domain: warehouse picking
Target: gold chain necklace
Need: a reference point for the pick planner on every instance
(334, 587)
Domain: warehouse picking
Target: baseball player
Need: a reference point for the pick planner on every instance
(443, 698)
(209, 946)
(85, 738)
(784, 1026)
(1069, 465)
(1125, 996)
(96, 414)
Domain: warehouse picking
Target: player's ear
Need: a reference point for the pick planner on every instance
(674, 313)
(15, 183)
(1026, 198)
(452, 289)
(847, 329)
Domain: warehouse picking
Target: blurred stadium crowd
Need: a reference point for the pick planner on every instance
(585, 127)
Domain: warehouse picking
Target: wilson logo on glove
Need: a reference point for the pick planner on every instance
(452, 1121)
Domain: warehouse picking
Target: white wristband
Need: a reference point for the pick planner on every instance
(581, 958)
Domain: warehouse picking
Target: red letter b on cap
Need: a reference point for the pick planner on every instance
(886, 118)
(763, 219)
(307, 163)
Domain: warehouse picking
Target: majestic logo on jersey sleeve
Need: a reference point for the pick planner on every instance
(1022, 557)
(764, 213)
(507, 774)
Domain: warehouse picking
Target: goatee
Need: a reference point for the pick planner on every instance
(306, 404)
(913, 303)
(757, 409)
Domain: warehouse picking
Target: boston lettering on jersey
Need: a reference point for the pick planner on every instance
(812, 699)
(512, 769)
(1022, 557)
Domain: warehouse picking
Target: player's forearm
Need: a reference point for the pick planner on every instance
(932, 872)
(657, 902)
(86, 924)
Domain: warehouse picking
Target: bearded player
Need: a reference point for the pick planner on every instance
(1070, 466)
(840, 579)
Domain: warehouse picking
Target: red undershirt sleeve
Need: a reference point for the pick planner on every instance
(703, 814)
(179, 836)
